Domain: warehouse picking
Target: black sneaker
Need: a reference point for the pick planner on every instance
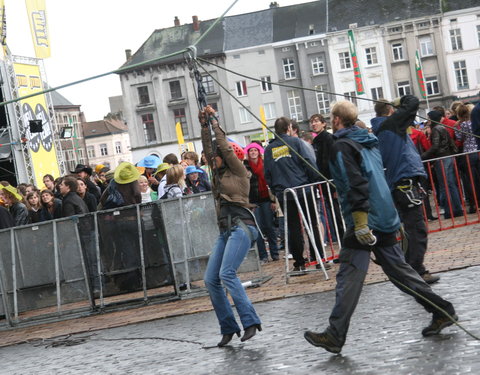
(437, 324)
(299, 271)
(322, 340)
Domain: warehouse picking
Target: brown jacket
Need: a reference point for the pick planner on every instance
(234, 180)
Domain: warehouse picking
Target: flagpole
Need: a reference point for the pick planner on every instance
(421, 79)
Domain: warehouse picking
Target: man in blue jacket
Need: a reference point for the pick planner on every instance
(285, 169)
(372, 224)
(404, 172)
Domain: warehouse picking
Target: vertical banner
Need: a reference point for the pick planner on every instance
(41, 145)
(37, 17)
(356, 68)
(420, 78)
(3, 27)
(264, 123)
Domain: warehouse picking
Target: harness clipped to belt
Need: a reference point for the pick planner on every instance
(414, 192)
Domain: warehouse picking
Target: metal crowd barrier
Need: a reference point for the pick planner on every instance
(452, 183)
(322, 225)
(81, 265)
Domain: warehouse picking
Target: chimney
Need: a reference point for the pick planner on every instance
(176, 21)
(128, 54)
(196, 23)
(273, 5)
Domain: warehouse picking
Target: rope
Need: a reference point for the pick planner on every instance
(121, 70)
(265, 126)
(327, 92)
(435, 306)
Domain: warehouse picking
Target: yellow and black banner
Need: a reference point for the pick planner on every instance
(37, 17)
(41, 145)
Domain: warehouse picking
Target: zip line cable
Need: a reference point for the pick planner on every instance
(267, 127)
(125, 69)
(329, 93)
(316, 170)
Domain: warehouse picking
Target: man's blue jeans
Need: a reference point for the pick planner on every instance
(227, 255)
(264, 216)
(451, 187)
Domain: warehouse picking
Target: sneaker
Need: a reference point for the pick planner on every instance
(299, 271)
(326, 265)
(429, 278)
(299, 268)
(322, 340)
(437, 324)
(275, 258)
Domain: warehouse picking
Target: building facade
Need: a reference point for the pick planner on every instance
(69, 118)
(107, 142)
(308, 53)
(461, 38)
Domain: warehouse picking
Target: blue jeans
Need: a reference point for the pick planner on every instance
(264, 216)
(227, 255)
(451, 188)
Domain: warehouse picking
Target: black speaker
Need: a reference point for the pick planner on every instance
(35, 126)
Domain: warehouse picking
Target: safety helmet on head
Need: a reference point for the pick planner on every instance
(238, 151)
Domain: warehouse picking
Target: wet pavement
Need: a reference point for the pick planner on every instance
(384, 338)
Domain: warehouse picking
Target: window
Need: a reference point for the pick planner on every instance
(351, 96)
(403, 88)
(318, 67)
(118, 147)
(241, 88)
(397, 51)
(345, 62)
(103, 149)
(323, 102)
(294, 105)
(478, 34)
(179, 116)
(149, 128)
(377, 93)
(266, 85)
(461, 76)
(65, 120)
(431, 84)
(244, 116)
(207, 83)
(269, 109)
(91, 151)
(371, 55)
(175, 90)
(456, 39)
(143, 97)
(289, 68)
(426, 46)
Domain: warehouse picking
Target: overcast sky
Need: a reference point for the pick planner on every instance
(89, 37)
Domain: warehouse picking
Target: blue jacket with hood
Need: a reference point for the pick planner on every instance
(357, 169)
(399, 154)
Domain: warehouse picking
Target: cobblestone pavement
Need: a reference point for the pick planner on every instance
(384, 338)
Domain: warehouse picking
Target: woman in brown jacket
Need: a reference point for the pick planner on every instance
(238, 232)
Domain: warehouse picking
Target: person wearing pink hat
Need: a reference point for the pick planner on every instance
(260, 195)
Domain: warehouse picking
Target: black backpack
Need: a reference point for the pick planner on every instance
(115, 198)
(165, 195)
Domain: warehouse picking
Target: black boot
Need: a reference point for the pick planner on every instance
(250, 332)
(227, 338)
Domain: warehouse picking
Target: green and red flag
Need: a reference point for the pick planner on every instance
(420, 78)
(356, 68)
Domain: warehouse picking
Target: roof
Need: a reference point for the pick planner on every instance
(59, 100)
(285, 23)
(103, 127)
